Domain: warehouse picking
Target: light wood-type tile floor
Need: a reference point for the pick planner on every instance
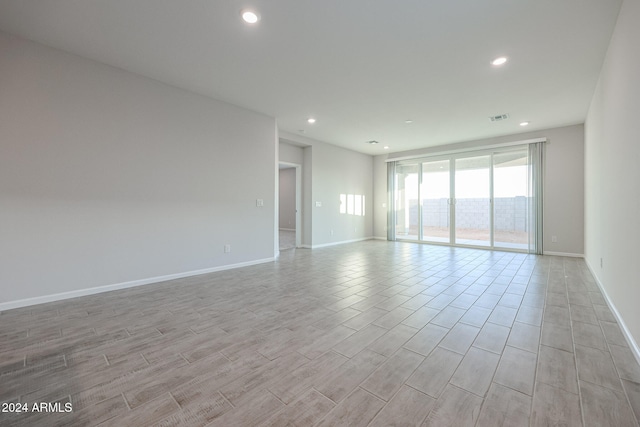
(366, 334)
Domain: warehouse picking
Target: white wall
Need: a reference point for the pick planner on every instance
(287, 199)
(612, 171)
(563, 192)
(108, 177)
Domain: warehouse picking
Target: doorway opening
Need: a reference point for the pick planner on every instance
(289, 180)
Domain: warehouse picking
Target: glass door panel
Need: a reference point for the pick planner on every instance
(434, 199)
(510, 199)
(406, 201)
(472, 194)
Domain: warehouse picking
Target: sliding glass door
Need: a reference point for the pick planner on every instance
(511, 199)
(472, 201)
(435, 199)
(482, 199)
(406, 201)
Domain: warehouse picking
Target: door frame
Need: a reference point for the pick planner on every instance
(451, 158)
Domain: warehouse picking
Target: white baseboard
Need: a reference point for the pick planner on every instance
(287, 229)
(379, 238)
(625, 331)
(567, 254)
(132, 284)
(342, 242)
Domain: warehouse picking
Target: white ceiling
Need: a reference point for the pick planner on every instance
(360, 67)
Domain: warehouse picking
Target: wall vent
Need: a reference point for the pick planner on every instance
(499, 117)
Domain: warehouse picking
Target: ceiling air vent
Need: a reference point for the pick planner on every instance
(372, 142)
(499, 117)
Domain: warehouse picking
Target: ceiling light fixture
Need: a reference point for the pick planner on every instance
(311, 120)
(499, 61)
(249, 16)
(408, 121)
(524, 124)
(386, 147)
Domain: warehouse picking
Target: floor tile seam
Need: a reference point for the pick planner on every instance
(320, 421)
(394, 395)
(467, 391)
(537, 370)
(573, 342)
(435, 398)
(530, 396)
(490, 382)
(330, 399)
(621, 390)
(617, 370)
(525, 350)
(387, 359)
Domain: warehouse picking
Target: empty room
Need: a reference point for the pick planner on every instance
(330, 213)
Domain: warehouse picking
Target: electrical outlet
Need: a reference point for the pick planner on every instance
(259, 203)
(554, 239)
(318, 204)
(227, 248)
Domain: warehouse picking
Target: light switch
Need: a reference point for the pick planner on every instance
(259, 203)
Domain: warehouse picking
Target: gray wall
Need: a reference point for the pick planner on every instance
(612, 173)
(107, 177)
(338, 171)
(380, 197)
(563, 177)
(287, 199)
(290, 153)
(307, 210)
(328, 172)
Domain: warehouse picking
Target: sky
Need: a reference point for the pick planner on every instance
(471, 183)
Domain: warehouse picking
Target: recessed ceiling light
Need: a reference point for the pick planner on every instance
(386, 147)
(524, 124)
(408, 121)
(250, 17)
(499, 61)
(311, 120)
